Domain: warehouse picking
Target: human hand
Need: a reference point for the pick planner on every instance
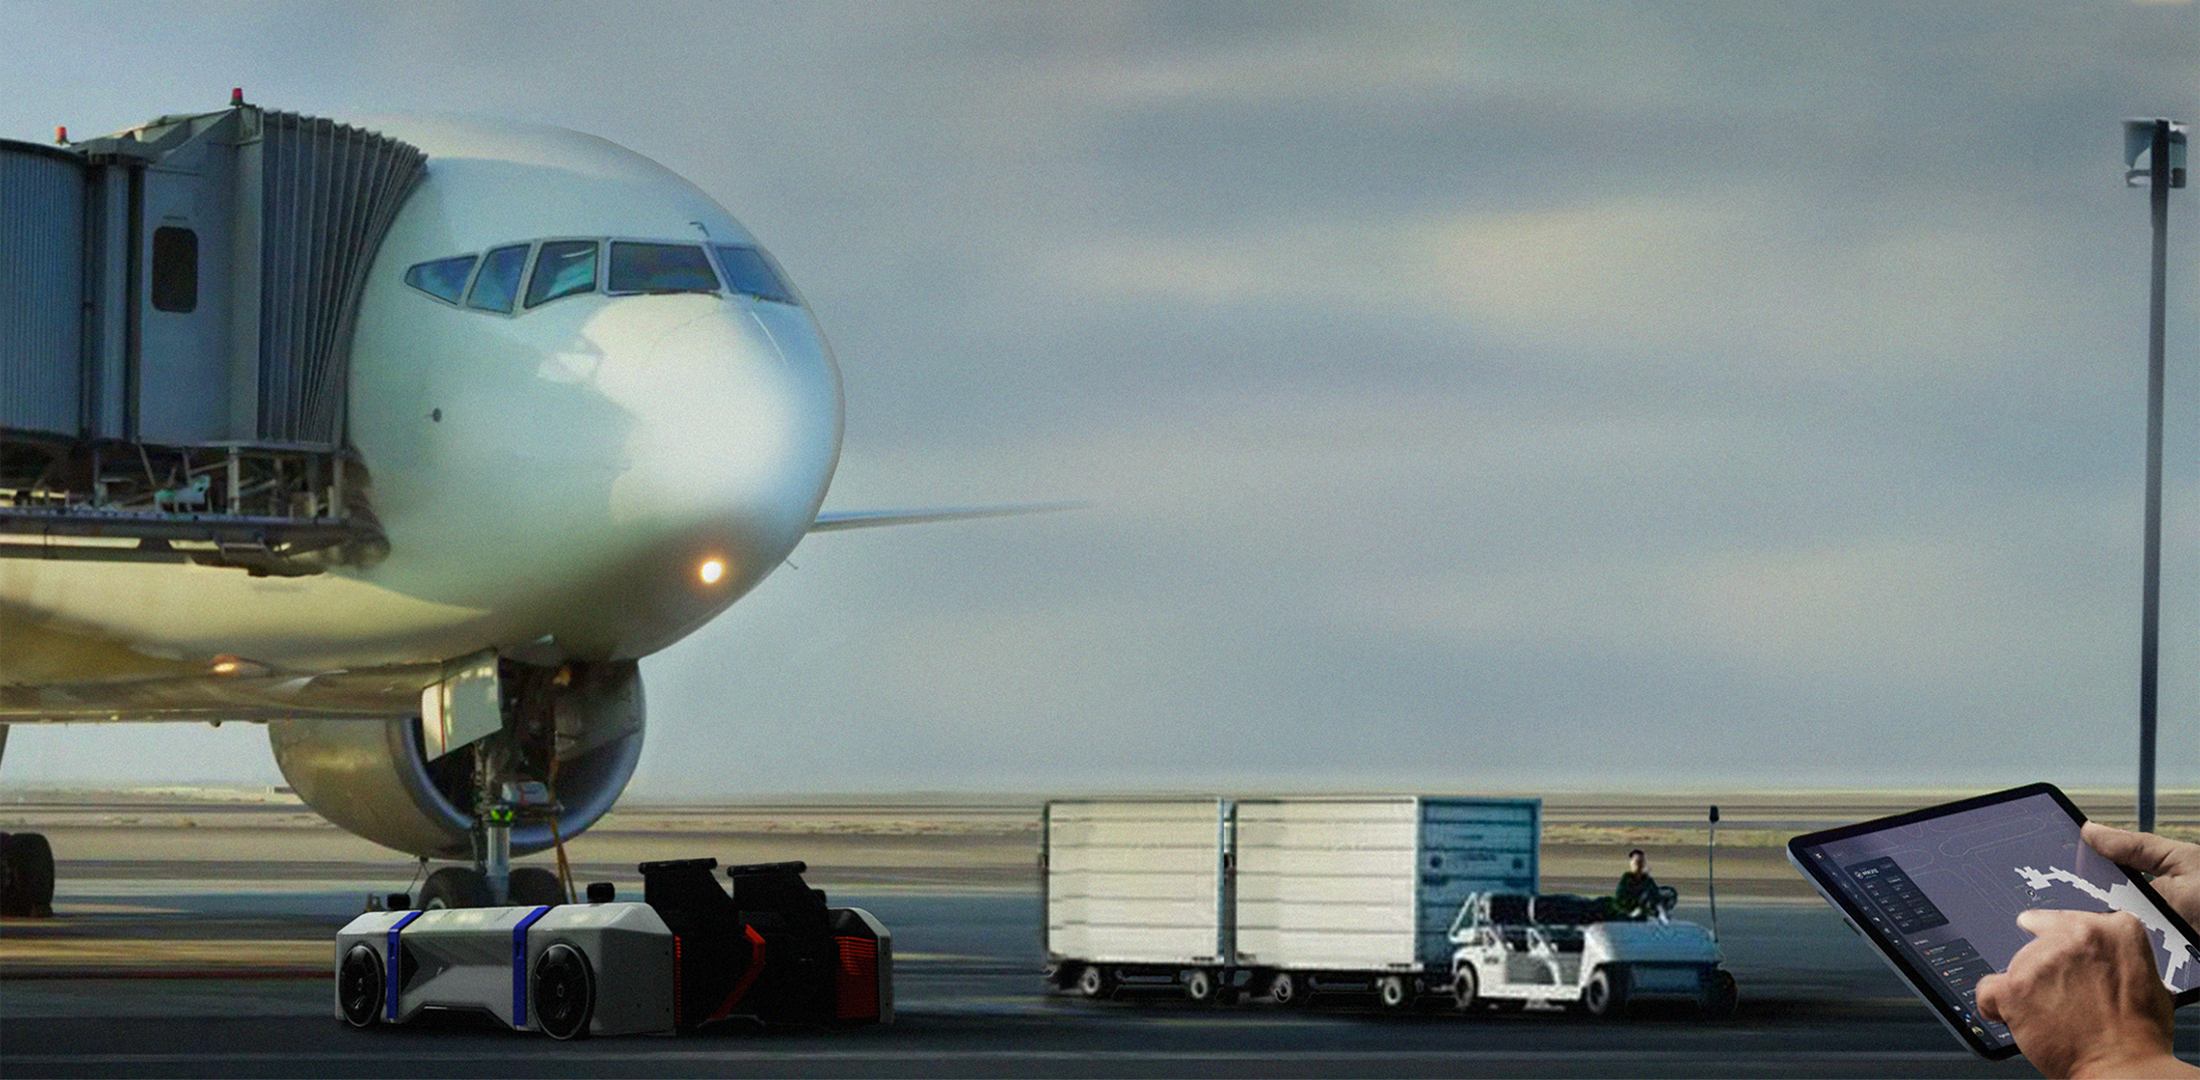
(2174, 864)
(2083, 999)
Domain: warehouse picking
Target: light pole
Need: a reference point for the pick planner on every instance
(2162, 143)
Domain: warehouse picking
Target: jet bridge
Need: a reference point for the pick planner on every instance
(174, 339)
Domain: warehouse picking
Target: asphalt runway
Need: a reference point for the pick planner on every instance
(216, 964)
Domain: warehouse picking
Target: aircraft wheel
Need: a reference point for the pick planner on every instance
(359, 986)
(1284, 989)
(564, 992)
(533, 886)
(1094, 982)
(1605, 994)
(454, 887)
(26, 875)
(1466, 989)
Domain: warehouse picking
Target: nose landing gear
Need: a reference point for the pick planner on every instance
(505, 791)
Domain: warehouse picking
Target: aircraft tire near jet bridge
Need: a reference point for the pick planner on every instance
(463, 886)
(533, 886)
(26, 876)
(454, 887)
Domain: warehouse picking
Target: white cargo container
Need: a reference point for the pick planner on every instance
(1138, 889)
(1360, 893)
(1275, 896)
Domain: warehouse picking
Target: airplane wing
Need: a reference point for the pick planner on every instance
(865, 519)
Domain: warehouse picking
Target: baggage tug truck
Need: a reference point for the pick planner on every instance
(1573, 951)
(688, 955)
(1282, 898)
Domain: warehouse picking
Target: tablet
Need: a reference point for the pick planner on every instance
(1937, 892)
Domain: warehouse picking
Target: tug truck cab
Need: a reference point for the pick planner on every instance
(1516, 949)
(688, 955)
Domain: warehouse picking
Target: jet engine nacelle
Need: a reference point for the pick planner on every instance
(577, 728)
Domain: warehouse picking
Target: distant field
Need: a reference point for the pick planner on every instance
(981, 842)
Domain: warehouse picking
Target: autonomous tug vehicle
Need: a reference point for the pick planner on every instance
(407, 440)
(688, 955)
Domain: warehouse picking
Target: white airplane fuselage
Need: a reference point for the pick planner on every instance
(574, 461)
(556, 479)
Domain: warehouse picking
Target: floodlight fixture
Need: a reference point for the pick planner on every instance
(2145, 140)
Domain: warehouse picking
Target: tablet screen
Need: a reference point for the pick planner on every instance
(1939, 890)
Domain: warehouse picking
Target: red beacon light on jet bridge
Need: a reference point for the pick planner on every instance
(236, 96)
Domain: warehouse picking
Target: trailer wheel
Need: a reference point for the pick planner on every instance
(1605, 994)
(1393, 992)
(1094, 982)
(1466, 990)
(359, 986)
(1284, 989)
(1721, 996)
(1199, 985)
(564, 992)
(26, 875)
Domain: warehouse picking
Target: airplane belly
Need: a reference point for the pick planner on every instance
(100, 621)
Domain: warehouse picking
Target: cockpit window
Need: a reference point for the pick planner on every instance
(565, 268)
(569, 268)
(749, 271)
(659, 268)
(444, 279)
(498, 284)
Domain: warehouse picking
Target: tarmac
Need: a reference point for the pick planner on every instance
(193, 937)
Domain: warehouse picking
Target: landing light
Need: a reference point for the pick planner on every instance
(711, 571)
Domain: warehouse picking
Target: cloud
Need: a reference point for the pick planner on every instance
(1448, 375)
(1723, 281)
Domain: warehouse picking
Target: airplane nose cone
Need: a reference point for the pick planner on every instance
(734, 430)
(731, 427)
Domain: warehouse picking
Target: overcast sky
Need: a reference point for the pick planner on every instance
(1469, 397)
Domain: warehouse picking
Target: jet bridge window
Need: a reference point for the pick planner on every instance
(498, 284)
(564, 268)
(175, 269)
(444, 279)
(659, 268)
(749, 270)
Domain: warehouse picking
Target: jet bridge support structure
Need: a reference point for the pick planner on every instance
(174, 344)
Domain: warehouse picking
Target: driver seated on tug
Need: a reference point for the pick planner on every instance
(1638, 895)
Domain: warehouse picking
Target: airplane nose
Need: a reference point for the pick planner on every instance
(733, 431)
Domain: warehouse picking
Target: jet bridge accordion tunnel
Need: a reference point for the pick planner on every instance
(174, 339)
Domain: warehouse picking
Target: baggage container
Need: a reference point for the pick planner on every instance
(1280, 897)
(1136, 888)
